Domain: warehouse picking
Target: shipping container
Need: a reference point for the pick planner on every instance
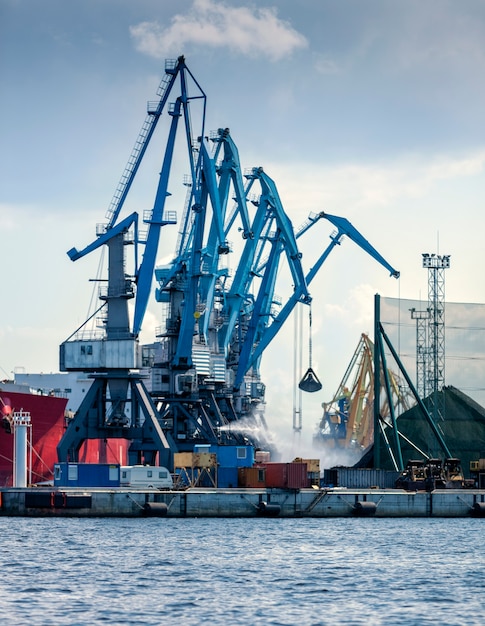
(313, 468)
(313, 465)
(252, 477)
(227, 477)
(275, 475)
(86, 475)
(286, 475)
(297, 476)
(360, 478)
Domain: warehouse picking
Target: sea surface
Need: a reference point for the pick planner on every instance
(242, 571)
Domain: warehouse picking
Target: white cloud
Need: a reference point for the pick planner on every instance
(325, 66)
(248, 31)
(372, 184)
(7, 217)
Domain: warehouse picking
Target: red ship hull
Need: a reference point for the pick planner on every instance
(48, 421)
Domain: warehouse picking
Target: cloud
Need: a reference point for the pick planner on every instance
(374, 184)
(326, 66)
(440, 39)
(7, 216)
(248, 31)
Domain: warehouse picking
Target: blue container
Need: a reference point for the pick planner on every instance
(230, 456)
(86, 475)
(227, 477)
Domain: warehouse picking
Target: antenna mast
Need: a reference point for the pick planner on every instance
(435, 369)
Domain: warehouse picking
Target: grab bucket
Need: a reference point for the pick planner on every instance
(310, 382)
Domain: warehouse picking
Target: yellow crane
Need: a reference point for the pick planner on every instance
(348, 419)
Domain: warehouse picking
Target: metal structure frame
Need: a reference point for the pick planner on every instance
(204, 370)
(422, 318)
(383, 427)
(118, 404)
(435, 372)
(348, 419)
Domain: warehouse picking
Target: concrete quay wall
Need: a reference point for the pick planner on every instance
(105, 502)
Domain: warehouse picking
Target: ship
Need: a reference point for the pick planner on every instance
(49, 420)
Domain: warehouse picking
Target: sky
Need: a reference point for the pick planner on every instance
(366, 109)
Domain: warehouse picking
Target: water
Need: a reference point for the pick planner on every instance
(242, 571)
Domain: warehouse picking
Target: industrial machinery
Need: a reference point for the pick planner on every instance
(348, 419)
(432, 474)
(203, 372)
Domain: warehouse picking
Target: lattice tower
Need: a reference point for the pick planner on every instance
(435, 355)
(422, 319)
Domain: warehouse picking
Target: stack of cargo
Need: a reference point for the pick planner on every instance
(286, 475)
(313, 469)
(252, 477)
(229, 459)
(299, 474)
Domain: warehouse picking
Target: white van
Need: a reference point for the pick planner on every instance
(145, 476)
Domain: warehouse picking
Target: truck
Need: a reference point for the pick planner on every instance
(145, 477)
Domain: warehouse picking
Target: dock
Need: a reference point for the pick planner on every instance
(238, 502)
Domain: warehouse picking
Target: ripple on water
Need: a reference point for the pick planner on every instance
(239, 571)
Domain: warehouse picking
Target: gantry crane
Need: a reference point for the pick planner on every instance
(204, 368)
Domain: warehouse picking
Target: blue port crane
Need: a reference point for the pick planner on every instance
(344, 228)
(118, 404)
(218, 323)
(217, 297)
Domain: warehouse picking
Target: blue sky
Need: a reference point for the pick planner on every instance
(367, 109)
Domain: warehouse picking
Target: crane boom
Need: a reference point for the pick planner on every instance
(344, 227)
(172, 69)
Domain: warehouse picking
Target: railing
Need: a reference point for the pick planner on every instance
(123, 290)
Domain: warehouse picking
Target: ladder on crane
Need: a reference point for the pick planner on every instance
(154, 110)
